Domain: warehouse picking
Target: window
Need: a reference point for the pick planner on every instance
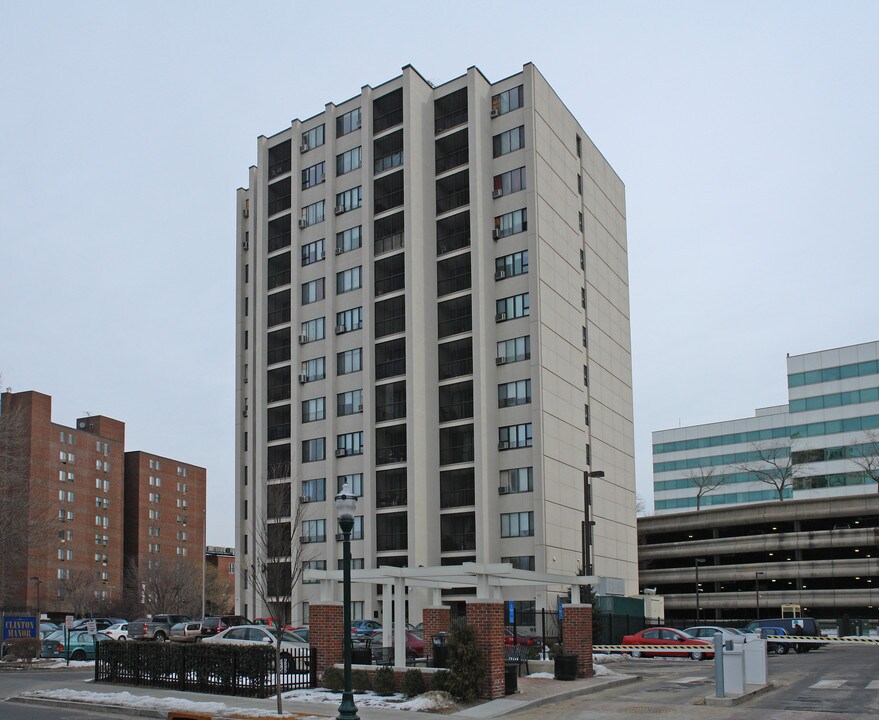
(390, 316)
(349, 361)
(509, 182)
(452, 191)
(457, 488)
(390, 444)
(390, 401)
(387, 111)
(508, 100)
(348, 280)
(512, 307)
(279, 235)
(511, 223)
(582, 260)
(312, 291)
(511, 265)
(389, 274)
(314, 531)
(450, 110)
(313, 565)
(387, 152)
(452, 151)
(279, 159)
(390, 488)
(454, 316)
(314, 490)
(348, 161)
(520, 562)
(456, 401)
(583, 297)
(453, 274)
(514, 436)
(390, 359)
(357, 530)
(579, 183)
(388, 192)
(391, 532)
(314, 369)
(279, 196)
(313, 175)
(349, 444)
(348, 123)
(356, 564)
(519, 524)
(313, 138)
(313, 252)
(518, 480)
(314, 450)
(313, 214)
(509, 141)
(579, 147)
(456, 444)
(514, 393)
(313, 330)
(349, 403)
(278, 271)
(313, 410)
(388, 233)
(457, 532)
(456, 358)
(348, 200)
(355, 482)
(348, 240)
(349, 320)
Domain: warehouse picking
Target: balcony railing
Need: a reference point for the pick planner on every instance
(456, 368)
(278, 317)
(390, 368)
(281, 203)
(388, 243)
(394, 159)
(456, 454)
(462, 541)
(454, 284)
(455, 325)
(279, 278)
(449, 243)
(279, 392)
(387, 120)
(276, 242)
(388, 201)
(457, 498)
(452, 159)
(391, 411)
(279, 168)
(390, 498)
(391, 541)
(279, 432)
(456, 411)
(279, 354)
(390, 326)
(390, 284)
(391, 454)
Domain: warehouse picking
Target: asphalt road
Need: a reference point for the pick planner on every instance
(14, 682)
(830, 683)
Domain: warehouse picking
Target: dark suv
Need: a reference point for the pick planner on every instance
(214, 624)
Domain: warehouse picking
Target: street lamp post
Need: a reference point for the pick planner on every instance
(346, 504)
(38, 582)
(588, 523)
(757, 574)
(696, 563)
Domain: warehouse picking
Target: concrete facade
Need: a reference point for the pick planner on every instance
(463, 386)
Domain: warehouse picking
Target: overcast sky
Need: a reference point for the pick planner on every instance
(745, 132)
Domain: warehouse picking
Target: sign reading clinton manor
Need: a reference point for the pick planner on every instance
(19, 627)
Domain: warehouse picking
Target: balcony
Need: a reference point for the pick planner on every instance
(391, 541)
(387, 243)
(391, 498)
(278, 432)
(392, 160)
(390, 454)
(392, 411)
(390, 368)
(279, 392)
(456, 454)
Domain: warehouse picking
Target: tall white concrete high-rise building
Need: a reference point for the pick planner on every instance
(433, 305)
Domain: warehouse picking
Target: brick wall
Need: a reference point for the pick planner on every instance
(435, 619)
(326, 620)
(577, 634)
(487, 620)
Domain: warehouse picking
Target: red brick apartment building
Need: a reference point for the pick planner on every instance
(68, 496)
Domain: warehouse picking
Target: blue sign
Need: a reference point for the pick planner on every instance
(559, 601)
(18, 628)
(511, 613)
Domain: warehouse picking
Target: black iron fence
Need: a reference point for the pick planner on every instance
(249, 671)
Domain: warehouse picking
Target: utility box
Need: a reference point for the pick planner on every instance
(734, 667)
(755, 662)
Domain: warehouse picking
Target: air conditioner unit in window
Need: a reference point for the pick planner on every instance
(503, 445)
(303, 148)
(503, 490)
(500, 361)
(304, 499)
(500, 316)
(500, 274)
(340, 329)
(303, 223)
(339, 209)
(494, 112)
(495, 234)
(496, 193)
(339, 251)
(341, 452)
(303, 378)
(303, 339)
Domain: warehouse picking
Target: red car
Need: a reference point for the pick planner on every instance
(521, 640)
(686, 645)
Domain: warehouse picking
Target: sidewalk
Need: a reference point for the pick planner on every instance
(158, 703)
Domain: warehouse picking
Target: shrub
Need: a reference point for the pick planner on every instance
(22, 649)
(465, 664)
(360, 681)
(413, 683)
(441, 680)
(383, 681)
(333, 679)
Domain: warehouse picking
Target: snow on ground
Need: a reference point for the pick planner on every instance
(610, 658)
(600, 670)
(124, 699)
(428, 701)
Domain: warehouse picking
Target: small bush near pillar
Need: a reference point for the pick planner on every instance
(333, 679)
(465, 663)
(360, 681)
(413, 683)
(441, 680)
(383, 681)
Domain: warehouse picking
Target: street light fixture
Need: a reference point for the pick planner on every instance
(588, 523)
(346, 505)
(696, 563)
(757, 574)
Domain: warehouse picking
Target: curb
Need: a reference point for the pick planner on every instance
(125, 710)
(733, 700)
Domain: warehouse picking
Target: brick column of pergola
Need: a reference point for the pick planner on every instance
(577, 635)
(436, 619)
(325, 634)
(486, 617)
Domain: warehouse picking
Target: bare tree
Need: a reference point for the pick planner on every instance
(706, 479)
(774, 467)
(78, 591)
(866, 454)
(168, 585)
(279, 561)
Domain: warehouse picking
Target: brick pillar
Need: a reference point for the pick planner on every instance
(325, 622)
(577, 634)
(486, 617)
(436, 619)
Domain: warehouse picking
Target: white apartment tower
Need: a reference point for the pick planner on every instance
(433, 305)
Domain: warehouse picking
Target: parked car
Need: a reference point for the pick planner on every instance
(779, 648)
(185, 632)
(101, 623)
(414, 643)
(213, 624)
(365, 627)
(47, 628)
(511, 638)
(259, 635)
(82, 644)
(676, 640)
(706, 632)
(789, 624)
(157, 628)
(118, 631)
(748, 635)
(269, 621)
